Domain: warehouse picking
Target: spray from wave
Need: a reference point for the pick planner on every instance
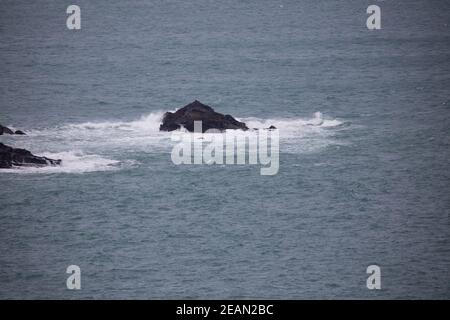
(148, 125)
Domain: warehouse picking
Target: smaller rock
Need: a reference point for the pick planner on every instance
(11, 157)
(269, 128)
(5, 130)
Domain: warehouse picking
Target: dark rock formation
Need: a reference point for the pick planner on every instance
(269, 128)
(197, 111)
(6, 130)
(10, 157)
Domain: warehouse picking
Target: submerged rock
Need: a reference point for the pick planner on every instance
(6, 130)
(10, 157)
(269, 128)
(197, 111)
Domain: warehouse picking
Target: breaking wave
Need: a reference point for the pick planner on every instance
(74, 162)
(148, 126)
(91, 146)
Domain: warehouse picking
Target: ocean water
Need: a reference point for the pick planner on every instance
(364, 173)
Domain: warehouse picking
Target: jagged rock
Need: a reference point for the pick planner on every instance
(10, 157)
(197, 111)
(6, 130)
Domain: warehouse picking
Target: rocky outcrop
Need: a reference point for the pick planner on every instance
(10, 157)
(6, 130)
(197, 111)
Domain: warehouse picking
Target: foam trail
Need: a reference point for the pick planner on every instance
(72, 162)
(297, 135)
(290, 125)
(149, 125)
(146, 124)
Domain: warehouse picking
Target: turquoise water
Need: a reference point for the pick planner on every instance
(364, 138)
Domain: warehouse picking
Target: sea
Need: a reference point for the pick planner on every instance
(364, 135)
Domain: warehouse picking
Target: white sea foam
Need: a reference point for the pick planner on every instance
(88, 139)
(294, 127)
(72, 162)
(145, 124)
(148, 125)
